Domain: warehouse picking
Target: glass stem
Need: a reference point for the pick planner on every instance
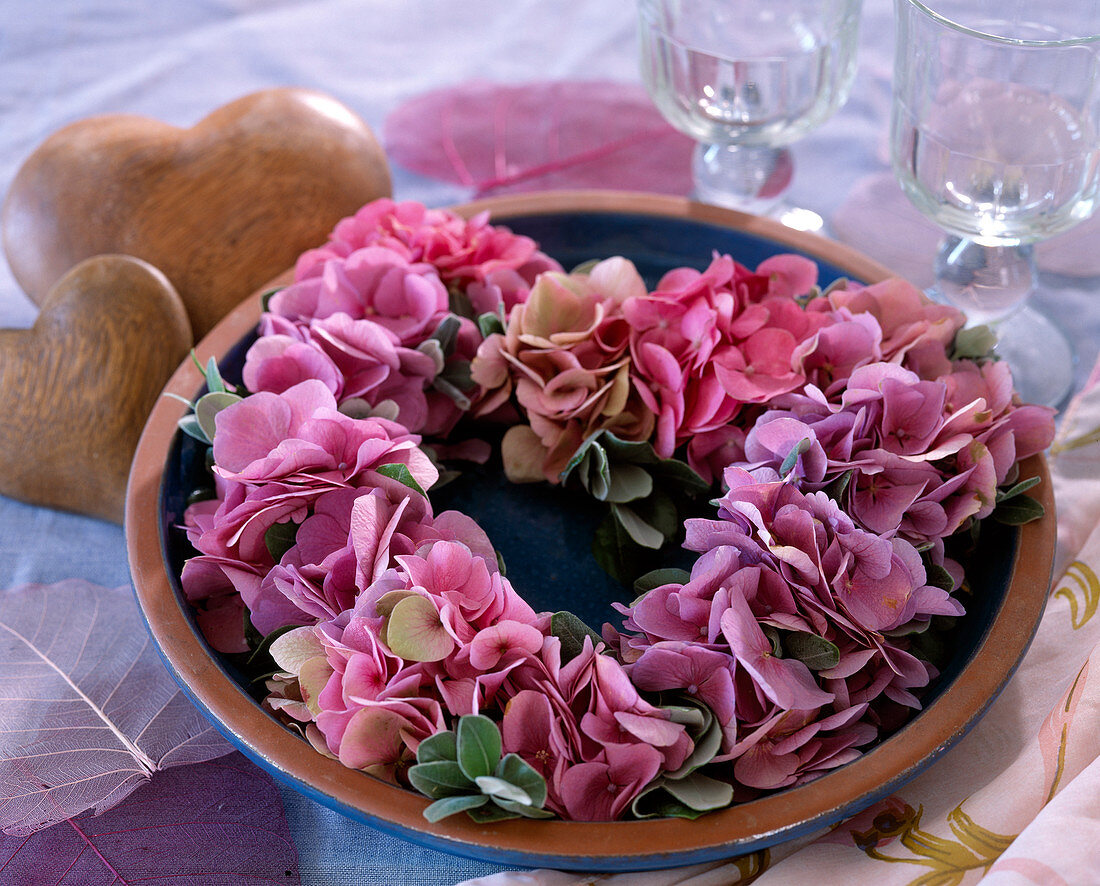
(748, 178)
(989, 283)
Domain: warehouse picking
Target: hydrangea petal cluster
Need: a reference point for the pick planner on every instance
(850, 441)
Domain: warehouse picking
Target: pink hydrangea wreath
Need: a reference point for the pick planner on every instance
(820, 453)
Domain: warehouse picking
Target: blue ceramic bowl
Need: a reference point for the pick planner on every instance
(657, 234)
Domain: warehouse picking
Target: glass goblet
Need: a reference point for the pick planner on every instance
(994, 137)
(745, 79)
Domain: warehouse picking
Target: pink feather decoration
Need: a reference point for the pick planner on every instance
(497, 139)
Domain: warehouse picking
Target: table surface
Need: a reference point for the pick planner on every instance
(64, 61)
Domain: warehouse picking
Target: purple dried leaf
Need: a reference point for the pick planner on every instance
(88, 711)
(219, 823)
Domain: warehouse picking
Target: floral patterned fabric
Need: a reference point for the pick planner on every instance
(1015, 802)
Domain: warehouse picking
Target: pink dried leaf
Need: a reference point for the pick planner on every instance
(219, 823)
(87, 710)
(494, 138)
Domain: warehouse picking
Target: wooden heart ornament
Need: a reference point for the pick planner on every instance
(76, 388)
(220, 208)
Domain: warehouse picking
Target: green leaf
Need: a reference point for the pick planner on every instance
(700, 792)
(446, 333)
(214, 382)
(707, 746)
(520, 809)
(280, 538)
(440, 809)
(490, 813)
(659, 511)
(974, 342)
(938, 577)
(595, 472)
(772, 634)
(458, 302)
(1018, 489)
(628, 483)
(677, 474)
(499, 789)
(517, 771)
(659, 578)
(439, 746)
(641, 532)
(490, 324)
(209, 405)
(265, 299)
(191, 427)
(440, 778)
(799, 448)
(478, 745)
(571, 631)
(616, 552)
(1018, 510)
(655, 802)
(815, 652)
(401, 474)
(636, 452)
(836, 489)
(448, 389)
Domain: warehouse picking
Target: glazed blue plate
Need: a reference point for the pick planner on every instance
(545, 539)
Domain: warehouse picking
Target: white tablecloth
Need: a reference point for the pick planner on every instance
(177, 61)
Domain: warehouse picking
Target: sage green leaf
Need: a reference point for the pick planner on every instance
(659, 511)
(459, 374)
(677, 474)
(439, 746)
(1018, 510)
(974, 342)
(568, 628)
(700, 792)
(440, 778)
(520, 809)
(938, 577)
(280, 538)
(490, 324)
(628, 483)
(817, 653)
(640, 531)
(490, 813)
(265, 299)
(498, 788)
(1018, 489)
(616, 552)
(440, 809)
(707, 746)
(209, 405)
(191, 427)
(773, 637)
(478, 745)
(658, 578)
(799, 448)
(517, 771)
(448, 389)
(656, 802)
(446, 333)
(595, 472)
(458, 302)
(836, 489)
(637, 452)
(214, 381)
(696, 717)
(401, 474)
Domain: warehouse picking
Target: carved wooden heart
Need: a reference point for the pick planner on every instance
(220, 208)
(76, 388)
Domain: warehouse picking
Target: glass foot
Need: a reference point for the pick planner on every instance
(1039, 354)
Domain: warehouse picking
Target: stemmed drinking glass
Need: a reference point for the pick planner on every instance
(995, 138)
(746, 78)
